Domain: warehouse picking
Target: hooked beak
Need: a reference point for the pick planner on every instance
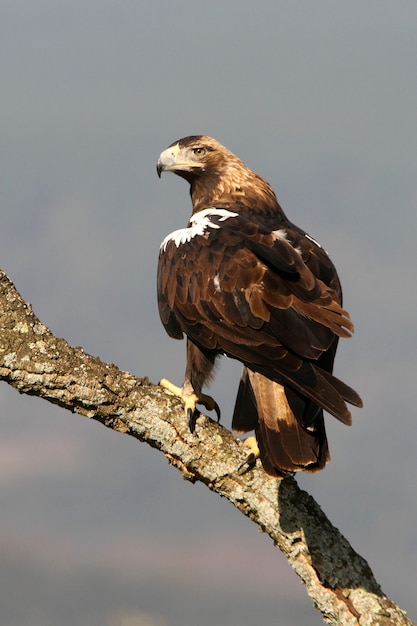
(179, 161)
(168, 160)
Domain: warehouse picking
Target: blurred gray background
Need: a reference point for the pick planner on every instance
(318, 97)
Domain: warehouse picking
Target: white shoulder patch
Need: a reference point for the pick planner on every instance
(200, 222)
(313, 240)
(281, 233)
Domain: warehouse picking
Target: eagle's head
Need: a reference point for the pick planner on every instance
(196, 156)
(217, 177)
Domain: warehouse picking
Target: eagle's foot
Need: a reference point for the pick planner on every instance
(190, 401)
(254, 453)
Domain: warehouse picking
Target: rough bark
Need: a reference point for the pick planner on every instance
(338, 580)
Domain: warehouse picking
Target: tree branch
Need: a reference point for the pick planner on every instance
(35, 362)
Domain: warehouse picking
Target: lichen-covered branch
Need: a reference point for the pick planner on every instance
(35, 362)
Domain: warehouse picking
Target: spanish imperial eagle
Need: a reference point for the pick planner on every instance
(243, 281)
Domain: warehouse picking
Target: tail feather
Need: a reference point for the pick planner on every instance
(245, 414)
(316, 385)
(285, 444)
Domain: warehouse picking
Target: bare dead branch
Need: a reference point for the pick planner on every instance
(338, 580)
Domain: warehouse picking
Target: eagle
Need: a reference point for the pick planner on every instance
(241, 280)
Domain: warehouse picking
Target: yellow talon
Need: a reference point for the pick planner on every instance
(166, 384)
(190, 401)
(254, 454)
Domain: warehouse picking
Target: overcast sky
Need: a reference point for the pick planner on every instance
(318, 97)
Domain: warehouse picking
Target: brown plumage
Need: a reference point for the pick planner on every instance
(242, 280)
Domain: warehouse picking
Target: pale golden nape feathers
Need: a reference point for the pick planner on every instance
(217, 176)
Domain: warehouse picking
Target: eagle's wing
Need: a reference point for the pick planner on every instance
(238, 288)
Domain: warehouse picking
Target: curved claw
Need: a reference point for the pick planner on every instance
(216, 409)
(192, 415)
(250, 461)
(190, 401)
(248, 464)
(210, 404)
(218, 412)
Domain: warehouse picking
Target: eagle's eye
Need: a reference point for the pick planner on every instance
(199, 151)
